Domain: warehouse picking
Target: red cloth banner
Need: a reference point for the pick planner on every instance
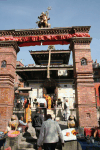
(59, 39)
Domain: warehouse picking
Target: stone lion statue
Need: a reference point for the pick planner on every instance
(71, 122)
(13, 123)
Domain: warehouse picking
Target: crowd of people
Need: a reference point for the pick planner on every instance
(44, 129)
(50, 103)
(48, 132)
(50, 100)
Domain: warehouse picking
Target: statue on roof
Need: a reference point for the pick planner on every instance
(44, 17)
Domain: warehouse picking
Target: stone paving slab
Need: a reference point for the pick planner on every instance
(26, 149)
(31, 149)
(28, 138)
(24, 144)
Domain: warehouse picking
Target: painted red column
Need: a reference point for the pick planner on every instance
(84, 83)
(8, 51)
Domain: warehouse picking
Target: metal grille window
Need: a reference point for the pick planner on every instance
(3, 64)
(83, 61)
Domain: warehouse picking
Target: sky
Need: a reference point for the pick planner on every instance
(23, 14)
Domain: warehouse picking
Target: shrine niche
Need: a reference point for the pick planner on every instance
(3, 64)
(83, 62)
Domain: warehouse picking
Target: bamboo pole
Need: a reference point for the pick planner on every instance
(48, 70)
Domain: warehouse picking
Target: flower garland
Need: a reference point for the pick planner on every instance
(13, 133)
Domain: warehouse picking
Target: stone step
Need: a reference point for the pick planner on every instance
(24, 144)
(30, 146)
(31, 139)
(27, 149)
(27, 143)
(31, 130)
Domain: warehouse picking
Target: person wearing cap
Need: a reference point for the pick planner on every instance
(49, 134)
(37, 121)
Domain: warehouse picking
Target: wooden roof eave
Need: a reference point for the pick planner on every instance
(37, 59)
(44, 68)
(25, 89)
(47, 52)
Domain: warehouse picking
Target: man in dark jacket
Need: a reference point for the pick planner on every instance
(37, 122)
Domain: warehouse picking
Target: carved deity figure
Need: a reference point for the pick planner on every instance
(43, 23)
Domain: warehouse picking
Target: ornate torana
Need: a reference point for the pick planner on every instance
(48, 36)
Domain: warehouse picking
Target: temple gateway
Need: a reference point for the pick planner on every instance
(52, 74)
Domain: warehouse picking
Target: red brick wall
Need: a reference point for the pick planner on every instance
(7, 76)
(8, 54)
(85, 94)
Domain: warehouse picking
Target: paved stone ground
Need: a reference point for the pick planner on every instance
(28, 142)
